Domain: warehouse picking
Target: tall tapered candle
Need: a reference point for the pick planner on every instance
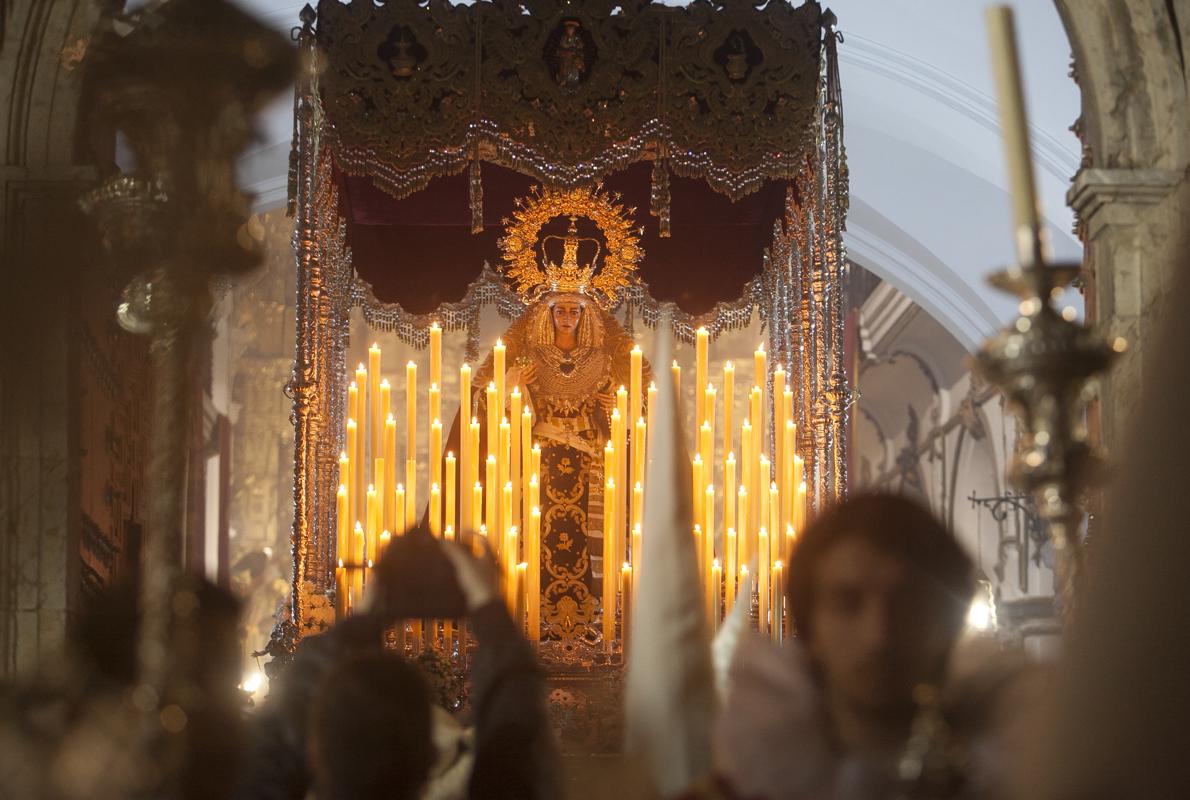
(375, 417)
(448, 498)
(620, 437)
(399, 508)
(698, 493)
(638, 503)
(410, 493)
(635, 376)
(477, 503)
(511, 558)
(515, 465)
(491, 487)
(435, 454)
(465, 522)
(701, 341)
(386, 401)
(709, 409)
(713, 593)
(762, 577)
(706, 449)
(522, 573)
(762, 373)
(778, 420)
(532, 494)
(1014, 126)
(357, 560)
(533, 556)
(799, 509)
(777, 601)
(345, 477)
(342, 526)
(787, 404)
(506, 507)
(370, 529)
(390, 472)
(741, 519)
(526, 459)
(536, 453)
(729, 491)
(379, 469)
(357, 482)
(435, 395)
(699, 550)
(493, 421)
(476, 465)
(708, 545)
(788, 487)
(609, 568)
(411, 411)
(353, 412)
(435, 510)
(762, 490)
(382, 543)
(436, 354)
(626, 595)
(638, 451)
(731, 557)
(504, 470)
(498, 353)
(728, 402)
(342, 591)
(774, 522)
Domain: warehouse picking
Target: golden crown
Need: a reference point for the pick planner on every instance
(620, 252)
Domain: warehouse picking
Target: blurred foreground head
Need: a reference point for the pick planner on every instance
(370, 730)
(878, 592)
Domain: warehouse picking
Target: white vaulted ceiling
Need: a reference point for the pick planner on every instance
(929, 204)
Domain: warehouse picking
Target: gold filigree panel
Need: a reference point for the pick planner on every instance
(570, 92)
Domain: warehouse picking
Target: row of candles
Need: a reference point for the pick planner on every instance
(762, 500)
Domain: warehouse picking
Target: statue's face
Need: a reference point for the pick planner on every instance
(567, 314)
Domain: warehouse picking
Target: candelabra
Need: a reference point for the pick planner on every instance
(181, 82)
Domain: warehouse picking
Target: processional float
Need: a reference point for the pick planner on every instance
(544, 130)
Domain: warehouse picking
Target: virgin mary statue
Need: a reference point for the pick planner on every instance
(569, 355)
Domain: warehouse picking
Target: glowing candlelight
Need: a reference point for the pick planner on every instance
(355, 483)
(477, 502)
(342, 525)
(465, 521)
(713, 591)
(708, 545)
(515, 462)
(533, 555)
(493, 421)
(411, 411)
(498, 353)
(526, 465)
(635, 376)
(435, 395)
(729, 488)
(342, 592)
(778, 601)
(435, 510)
(637, 556)
(638, 453)
(449, 500)
(708, 455)
(370, 531)
(390, 472)
(652, 405)
(410, 493)
(742, 524)
(436, 453)
(728, 402)
(375, 419)
(677, 375)
(638, 503)
(399, 507)
(701, 340)
(436, 355)
(609, 581)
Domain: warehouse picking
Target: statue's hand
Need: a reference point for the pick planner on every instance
(521, 376)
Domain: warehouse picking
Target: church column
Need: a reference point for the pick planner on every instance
(1126, 220)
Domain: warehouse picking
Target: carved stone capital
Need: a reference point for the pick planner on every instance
(1102, 197)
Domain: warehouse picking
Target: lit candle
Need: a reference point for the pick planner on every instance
(378, 470)
(477, 502)
(410, 411)
(638, 503)
(399, 508)
(761, 367)
(609, 570)
(742, 585)
(511, 558)
(728, 402)
(504, 470)
(493, 421)
(635, 373)
(677, 375)
(701, 340)
(375, 416)
(473, 474)
(626, 595)
(698, 494)
(788, 487)
(532, 494)
(713, 594)
(465, 522)
(708, 455)
(526, 463)
(534, 558)
(435, 395)
(774, 522)
(436, 453)
(522, 571)
(516, 465)
(762, 578)
(435, 510)
(747, 465)
(706, 449)
(436, 354)
(506, 509)
(449, 497)
(787, 403)
(345, 470)
(385, 538)
(778, 421)
(353, 412)
(390, 472)
(342, 524)
(355, 482)
(536, 452)
(799, 509)
(778, 601)
(702, 573)
(341, 591)
(491, 485)
(762, 493)
(371, 531)
(357, 560)
(638, 452)
(708, 545)
(729, 491)
(741, 518)
(729, 547)
(620, 435)
(498, 374)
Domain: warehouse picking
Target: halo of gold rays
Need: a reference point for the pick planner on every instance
(621, 252)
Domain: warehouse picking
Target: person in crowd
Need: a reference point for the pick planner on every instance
(862, 703)
(343, 686)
